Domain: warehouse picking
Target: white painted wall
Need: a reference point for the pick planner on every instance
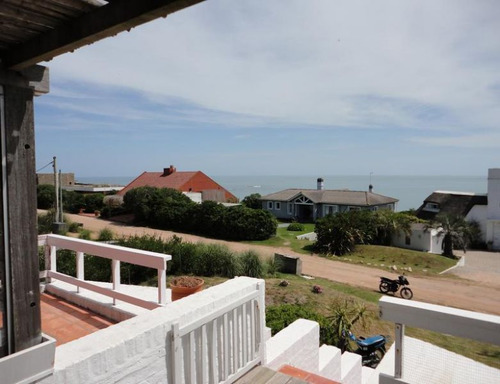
(420, 239)
(479, 213)
(138, 350)
(296, 345)
(427, 363)
(494, 194)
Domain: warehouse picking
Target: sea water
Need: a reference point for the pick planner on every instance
(409, 190)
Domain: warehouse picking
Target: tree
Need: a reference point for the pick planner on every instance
(456, 232)
(388, 223)
(338, 234)
(253, 201)
(46, 195)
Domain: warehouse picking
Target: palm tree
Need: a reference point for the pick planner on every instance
(456, 232)
(388, 223)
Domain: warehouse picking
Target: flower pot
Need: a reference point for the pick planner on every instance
(183, 286)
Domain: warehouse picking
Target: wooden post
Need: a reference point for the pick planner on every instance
(19, 252)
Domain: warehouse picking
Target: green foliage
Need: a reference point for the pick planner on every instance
(106, 234)
(475, 236)
(73, 201)
(296, 227)
(338, 234)
(252, 201)
(169, 209)
(456, 232)
(93, 202)
(74, 227)
(344, 313)
(45, 195)
(272, 266)
(84, 234)
(281, 316)
(251, 264)
(45, 222)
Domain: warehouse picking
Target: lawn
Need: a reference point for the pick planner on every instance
(285, 238)
(421, 263)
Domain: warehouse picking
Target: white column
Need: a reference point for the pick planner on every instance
(115, 268)
(162, 286)
(80, 270)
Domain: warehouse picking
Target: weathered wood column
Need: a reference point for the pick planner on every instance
(19, 251)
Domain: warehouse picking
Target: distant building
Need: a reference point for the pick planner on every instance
(312, 204)
(482, 208)
(67, 179)
(196, 185)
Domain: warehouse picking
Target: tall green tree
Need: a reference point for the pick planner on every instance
(252, 201)
(338, 234)
(388, 223)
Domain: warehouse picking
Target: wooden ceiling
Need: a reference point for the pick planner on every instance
(32, 31)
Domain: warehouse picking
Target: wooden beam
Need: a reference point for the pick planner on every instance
(108, 20)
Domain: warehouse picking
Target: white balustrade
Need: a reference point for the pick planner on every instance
(223, 345)
(116, 254)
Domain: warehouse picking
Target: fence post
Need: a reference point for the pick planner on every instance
(262, 321)
(115, 268)
(176, 354)
(398, 357)
(53, 259)
(80, 270)
(47, 262)
(162, 286)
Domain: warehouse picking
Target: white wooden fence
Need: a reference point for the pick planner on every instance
(222, 346)
(116, 254)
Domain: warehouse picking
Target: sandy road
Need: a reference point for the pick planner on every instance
(474, 293)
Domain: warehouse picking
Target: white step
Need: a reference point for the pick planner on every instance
(351, 368)
(329, 362)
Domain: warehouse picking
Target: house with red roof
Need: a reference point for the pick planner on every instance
(191, 183)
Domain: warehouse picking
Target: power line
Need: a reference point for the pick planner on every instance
(45, 166)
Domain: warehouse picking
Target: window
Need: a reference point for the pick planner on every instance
(331, 209)
(277, 205)
(432, 207)
(290, 208)
(407, 240)
(269, 205)
(351, 208)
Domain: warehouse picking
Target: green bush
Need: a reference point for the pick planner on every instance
(105, 234)
(296, 227)
(337, 234)
(252, 201)
(74, 227)
(281, 316)
(45, 195)
(251, 264)
(84, 234)
(73, 201)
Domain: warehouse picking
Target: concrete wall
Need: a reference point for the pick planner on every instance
(138, 350)
(494, 194)
(67, 179)
(479, 213)
(420, 240)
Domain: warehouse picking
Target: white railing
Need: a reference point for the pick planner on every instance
(437, 318)
(116, 254)
(222, 346)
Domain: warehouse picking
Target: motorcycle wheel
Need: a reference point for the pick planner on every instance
(406, 293)
(383, 287)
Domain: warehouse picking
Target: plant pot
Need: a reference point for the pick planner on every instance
(183, 286)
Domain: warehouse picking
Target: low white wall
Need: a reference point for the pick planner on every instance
(296, 345)
(351, 368)
(329, 362)
(479, 213)
(138, 350)
(426, 363)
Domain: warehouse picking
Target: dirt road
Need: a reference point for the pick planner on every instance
(474, 293)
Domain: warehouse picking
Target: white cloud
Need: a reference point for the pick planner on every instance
(407, 64)
(481, 141)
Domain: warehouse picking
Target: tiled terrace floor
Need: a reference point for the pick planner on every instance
(66, 322)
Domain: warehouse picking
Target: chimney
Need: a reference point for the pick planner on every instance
(370, 188)
(320, 184)
(169, 171)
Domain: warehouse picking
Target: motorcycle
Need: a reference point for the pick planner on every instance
(371, 349)
(390, 285)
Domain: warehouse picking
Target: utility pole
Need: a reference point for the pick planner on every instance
(61, 210)
(56, 188)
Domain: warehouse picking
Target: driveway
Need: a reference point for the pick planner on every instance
(480, 266)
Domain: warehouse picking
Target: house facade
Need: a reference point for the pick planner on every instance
(313, 204)
(196, 185)
(481, 208)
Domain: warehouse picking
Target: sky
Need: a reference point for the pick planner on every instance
(283, 87)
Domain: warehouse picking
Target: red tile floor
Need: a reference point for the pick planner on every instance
(66, 322)
(311, 378)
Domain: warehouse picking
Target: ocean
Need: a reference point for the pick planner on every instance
(410, 190)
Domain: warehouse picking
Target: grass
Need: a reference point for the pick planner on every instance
(299, 291)
(421, 263)
(285, 238)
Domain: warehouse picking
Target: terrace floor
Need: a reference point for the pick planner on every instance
(66, 322)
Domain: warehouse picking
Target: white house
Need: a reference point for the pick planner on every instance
(481, 208)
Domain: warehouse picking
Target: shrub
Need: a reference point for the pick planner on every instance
(73, 201)
(251, 264)
(337, 234)
(45, 195)
(272, 266)
(296, 227)
(84, 234)
(105, 234)
(281, 316)
(74, 227)
(252, 201)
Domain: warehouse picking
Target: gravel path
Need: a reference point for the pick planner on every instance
(476, 291)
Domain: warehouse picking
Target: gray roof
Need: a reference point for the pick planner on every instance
(329, 196)
(451, 203)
